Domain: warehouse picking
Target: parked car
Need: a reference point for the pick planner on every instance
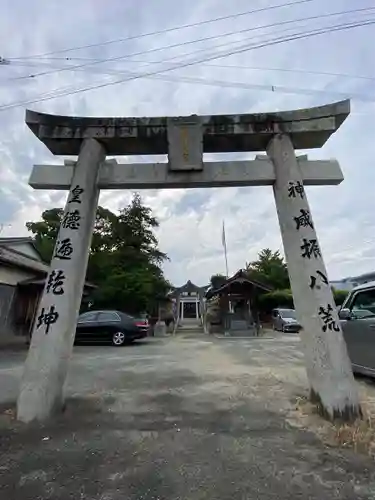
(142, 323)
(285, 320)
(357, 318)
(114, 326)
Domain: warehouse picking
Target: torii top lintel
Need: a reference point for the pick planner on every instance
(308, 128)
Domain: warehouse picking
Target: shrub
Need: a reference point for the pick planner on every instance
(277, 298)
(340, 296)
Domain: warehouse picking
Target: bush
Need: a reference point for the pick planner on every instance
(277, 298)
(284, 298)
(339, 296)
(217, 280)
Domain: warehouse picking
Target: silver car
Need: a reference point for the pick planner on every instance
(357, 317)
(285, 320)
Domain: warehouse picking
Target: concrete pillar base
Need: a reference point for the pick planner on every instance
(160, 329)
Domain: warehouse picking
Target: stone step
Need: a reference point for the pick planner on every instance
(190, 332)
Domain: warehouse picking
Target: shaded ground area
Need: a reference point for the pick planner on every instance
(176, 418)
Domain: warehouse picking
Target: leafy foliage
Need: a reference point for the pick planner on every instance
(217, 280)
(45, 231)
(270, 269)
(277, 298)
(125, 261)
(339, 296)
(284, 298)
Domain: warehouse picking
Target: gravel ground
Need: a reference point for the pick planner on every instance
(176, 418)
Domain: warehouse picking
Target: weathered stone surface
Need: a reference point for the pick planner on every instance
(41, 390)
(327, 362)
(160, 329)
(308, 128)
(258, 172)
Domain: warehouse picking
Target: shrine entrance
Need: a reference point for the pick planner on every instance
(189, 309)
(185, 140)
(189, 303)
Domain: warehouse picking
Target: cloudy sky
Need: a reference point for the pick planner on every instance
(35, 36)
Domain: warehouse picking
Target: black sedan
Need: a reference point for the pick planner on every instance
(114, 326)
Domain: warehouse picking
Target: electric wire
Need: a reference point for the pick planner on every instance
(244, 48)
(189, 42)
(167, 30)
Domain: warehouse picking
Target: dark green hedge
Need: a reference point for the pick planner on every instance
(284, 298)
(277, 298)
(340, 296)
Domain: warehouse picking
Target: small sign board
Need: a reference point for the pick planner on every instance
(185, 143)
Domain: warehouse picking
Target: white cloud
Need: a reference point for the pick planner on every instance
(191, 220)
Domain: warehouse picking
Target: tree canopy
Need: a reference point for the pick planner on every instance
(217, 280)
(270, 268)
(125, 261)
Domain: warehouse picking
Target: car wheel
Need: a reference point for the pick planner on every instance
(118, 339)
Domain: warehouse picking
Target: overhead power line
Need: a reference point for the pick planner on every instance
(219, 66)
(268, 87)
(243, 85)
(246, 86)
(224, 66)
(145, 62)
(291, 70)
(244, 48)
(112, 72)
(189, 42)
(169, 30)
(239, 85)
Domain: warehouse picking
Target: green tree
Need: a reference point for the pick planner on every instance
(45, 231)
(339, 296)
(277, 298)
(269, 268)
(217, 280)
(134, 233)
(125, 261)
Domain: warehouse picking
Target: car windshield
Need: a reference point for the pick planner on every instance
(288, 313)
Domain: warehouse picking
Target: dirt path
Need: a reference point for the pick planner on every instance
(180, 418)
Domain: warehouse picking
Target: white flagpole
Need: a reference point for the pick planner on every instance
(224, 242)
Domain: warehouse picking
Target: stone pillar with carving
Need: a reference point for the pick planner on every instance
(41, 391)
(327, 362)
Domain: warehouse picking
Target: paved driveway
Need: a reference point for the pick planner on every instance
(181, 418)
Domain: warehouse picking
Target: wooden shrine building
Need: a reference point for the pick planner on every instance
(234, 305)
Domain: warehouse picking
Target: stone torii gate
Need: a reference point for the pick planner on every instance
(184, 140)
